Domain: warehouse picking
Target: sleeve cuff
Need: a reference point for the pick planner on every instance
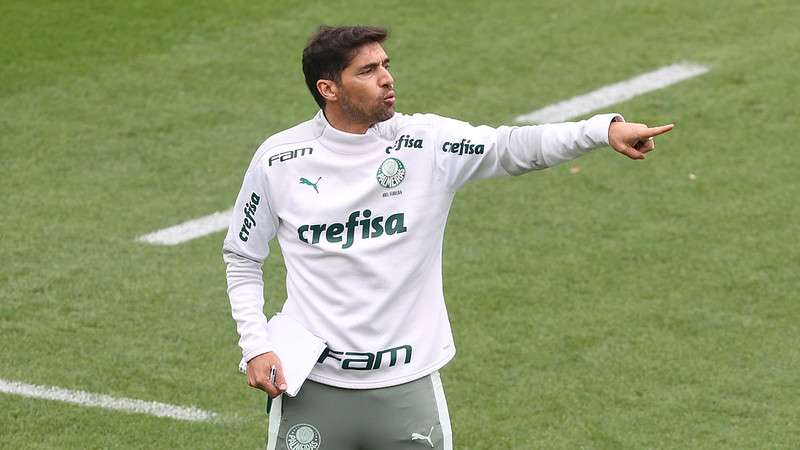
(252, 353)
(597, 127)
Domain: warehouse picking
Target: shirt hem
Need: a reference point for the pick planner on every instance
(352, 384)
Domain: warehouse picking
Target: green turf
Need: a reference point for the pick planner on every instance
(622, 307)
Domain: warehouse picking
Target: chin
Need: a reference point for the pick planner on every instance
(386, 115)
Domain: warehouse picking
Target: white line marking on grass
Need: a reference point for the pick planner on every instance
(105, 401)
(187, 231)
(614, 93)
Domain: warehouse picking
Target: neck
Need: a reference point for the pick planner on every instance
(342, 122)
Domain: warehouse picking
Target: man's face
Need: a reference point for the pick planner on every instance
(366, 90)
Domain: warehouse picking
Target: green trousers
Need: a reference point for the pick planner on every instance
(410, 416)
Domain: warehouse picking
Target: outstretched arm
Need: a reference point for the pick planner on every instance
(464, 152)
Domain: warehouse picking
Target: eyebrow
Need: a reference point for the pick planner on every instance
(373, 65)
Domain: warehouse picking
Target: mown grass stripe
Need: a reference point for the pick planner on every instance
(614, 93)
(83, 398)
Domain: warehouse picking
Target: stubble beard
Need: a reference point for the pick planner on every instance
(363, 114)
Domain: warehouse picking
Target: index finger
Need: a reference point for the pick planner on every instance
(653, 132)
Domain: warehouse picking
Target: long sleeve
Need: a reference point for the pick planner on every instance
(253, 224)
(538, 147)
(246, 294)
(465, 152)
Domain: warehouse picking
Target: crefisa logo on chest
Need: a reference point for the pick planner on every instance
(404, 141)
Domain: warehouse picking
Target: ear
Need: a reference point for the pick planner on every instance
(328, 89)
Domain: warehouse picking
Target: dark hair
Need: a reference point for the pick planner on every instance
(330, 50)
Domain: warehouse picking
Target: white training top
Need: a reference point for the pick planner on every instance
(360, 221)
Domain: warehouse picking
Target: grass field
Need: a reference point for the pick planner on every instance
(622, 307)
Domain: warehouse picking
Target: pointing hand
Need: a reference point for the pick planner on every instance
(634, 139)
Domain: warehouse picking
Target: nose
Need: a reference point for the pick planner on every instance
(386, 78)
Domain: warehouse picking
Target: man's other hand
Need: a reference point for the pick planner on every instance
(258, 370)
(634, 139)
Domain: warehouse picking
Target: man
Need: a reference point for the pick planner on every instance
(358, 198)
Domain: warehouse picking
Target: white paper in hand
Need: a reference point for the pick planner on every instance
(297, 348)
